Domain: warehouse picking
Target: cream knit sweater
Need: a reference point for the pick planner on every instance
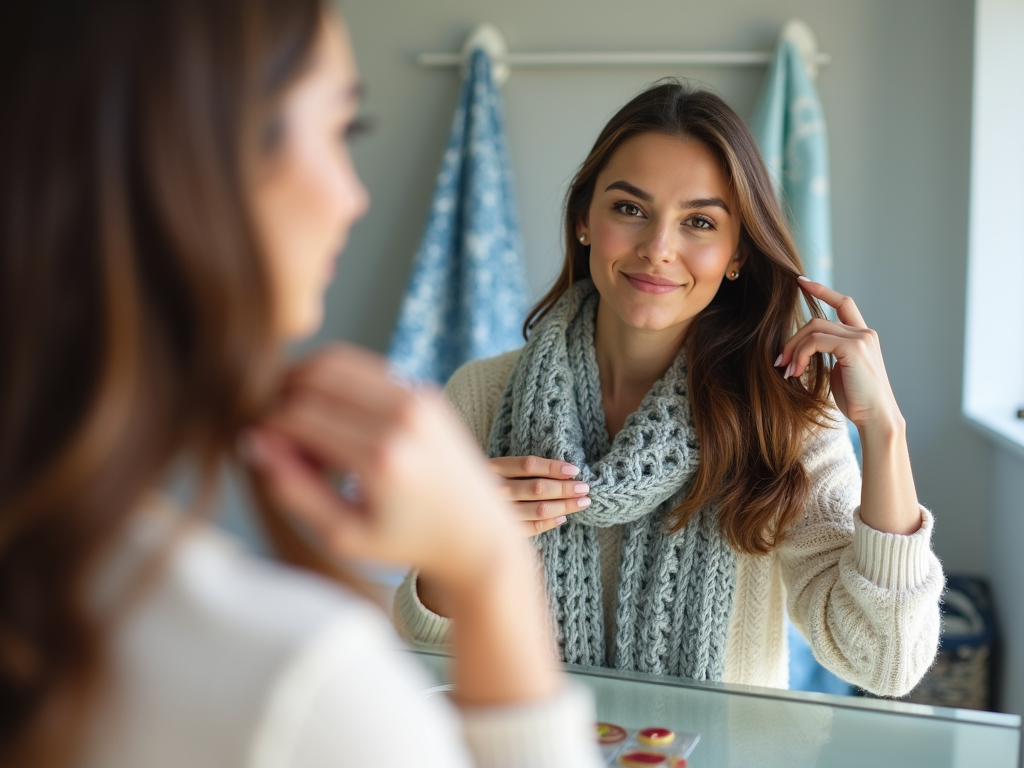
(868, 602)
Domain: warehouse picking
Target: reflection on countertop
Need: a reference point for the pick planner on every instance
(747, 727)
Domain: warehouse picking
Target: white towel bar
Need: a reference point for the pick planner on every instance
(490, 38)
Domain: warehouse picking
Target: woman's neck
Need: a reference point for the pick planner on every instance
(629, 361)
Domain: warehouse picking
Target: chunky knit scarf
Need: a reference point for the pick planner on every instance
(675, 591)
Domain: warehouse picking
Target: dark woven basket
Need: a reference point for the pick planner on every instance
(962, 673)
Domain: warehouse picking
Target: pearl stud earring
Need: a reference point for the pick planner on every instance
(733, 275)
(583, 239)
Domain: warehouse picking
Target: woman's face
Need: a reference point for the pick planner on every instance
(663, 228)
(308, 195)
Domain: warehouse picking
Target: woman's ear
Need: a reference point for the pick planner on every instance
(582, 230)
(739, 259)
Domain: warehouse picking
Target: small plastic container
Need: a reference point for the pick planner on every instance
(648, 747)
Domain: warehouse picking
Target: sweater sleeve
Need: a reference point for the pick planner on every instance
(414, 620)
(352, 699)
(867, 601)
(474, 392)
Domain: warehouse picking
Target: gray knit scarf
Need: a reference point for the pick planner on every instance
(675, 591)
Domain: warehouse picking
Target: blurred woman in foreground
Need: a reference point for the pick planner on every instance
(176, 183)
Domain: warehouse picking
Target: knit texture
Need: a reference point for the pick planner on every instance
(867, 601)
(675, 590)
(609, 541)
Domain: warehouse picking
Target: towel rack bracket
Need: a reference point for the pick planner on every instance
(488, 37)
(800, 34)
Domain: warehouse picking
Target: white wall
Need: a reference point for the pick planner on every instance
(1007, 569)
(897, 98)
(996, 310)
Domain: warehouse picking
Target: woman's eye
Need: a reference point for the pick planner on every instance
(354, 129)
(628, 209)
(700, 222)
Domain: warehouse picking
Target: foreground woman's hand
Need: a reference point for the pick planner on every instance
(419, 491)
(861, 389)
(542, 490)
(423, 496)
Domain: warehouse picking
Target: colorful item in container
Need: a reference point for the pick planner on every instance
(656, 736)
(608, 733)
(643, 759)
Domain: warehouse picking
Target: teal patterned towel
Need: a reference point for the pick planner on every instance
(789, 126)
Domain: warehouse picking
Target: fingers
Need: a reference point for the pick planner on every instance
(850, 348)
(342, 436)
(302, 490)
(845, 307)
(548, 510)
(533, 466)
(539, 489)
(817, 325)
(544, 498)
(534, 527)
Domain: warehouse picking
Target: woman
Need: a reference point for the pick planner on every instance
(717, 485)
(176, 183)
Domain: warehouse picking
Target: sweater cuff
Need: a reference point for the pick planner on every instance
(555, 733)
(414, 620)
(891, 561)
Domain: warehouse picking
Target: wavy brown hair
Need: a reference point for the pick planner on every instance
(135, 312)
(750, 422)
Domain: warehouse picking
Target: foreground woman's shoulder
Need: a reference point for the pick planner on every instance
(268, 646)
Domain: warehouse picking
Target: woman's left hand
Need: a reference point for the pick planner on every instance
(860, 384)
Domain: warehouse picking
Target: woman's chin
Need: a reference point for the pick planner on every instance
(650, 320)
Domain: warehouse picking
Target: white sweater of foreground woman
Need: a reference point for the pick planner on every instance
(868, 602)
(229, 661)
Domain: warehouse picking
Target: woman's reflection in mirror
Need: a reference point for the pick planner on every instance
(674, 437)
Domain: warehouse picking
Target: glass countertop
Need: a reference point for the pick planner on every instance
(743, 726)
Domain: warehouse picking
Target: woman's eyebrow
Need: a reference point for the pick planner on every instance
(625, 186)
(706, 202)
(647, 197)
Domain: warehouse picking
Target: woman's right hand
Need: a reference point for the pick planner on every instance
(425, 498)
(424, 495)
(542, 490)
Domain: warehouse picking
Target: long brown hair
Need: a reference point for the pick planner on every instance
(751, 424)
(135, 312)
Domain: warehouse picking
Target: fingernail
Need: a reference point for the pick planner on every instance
(583, 503)
(581, 488)
(560, 520)
(570, 470)
(805, 279)
(778, 361)
(789, 371)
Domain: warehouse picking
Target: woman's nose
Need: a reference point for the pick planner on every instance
(356, 200)
(660, 244)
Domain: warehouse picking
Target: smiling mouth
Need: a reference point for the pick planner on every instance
(650, 283)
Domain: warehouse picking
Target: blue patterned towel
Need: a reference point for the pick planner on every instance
(467, 295)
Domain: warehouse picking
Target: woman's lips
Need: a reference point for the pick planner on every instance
(650, 283)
